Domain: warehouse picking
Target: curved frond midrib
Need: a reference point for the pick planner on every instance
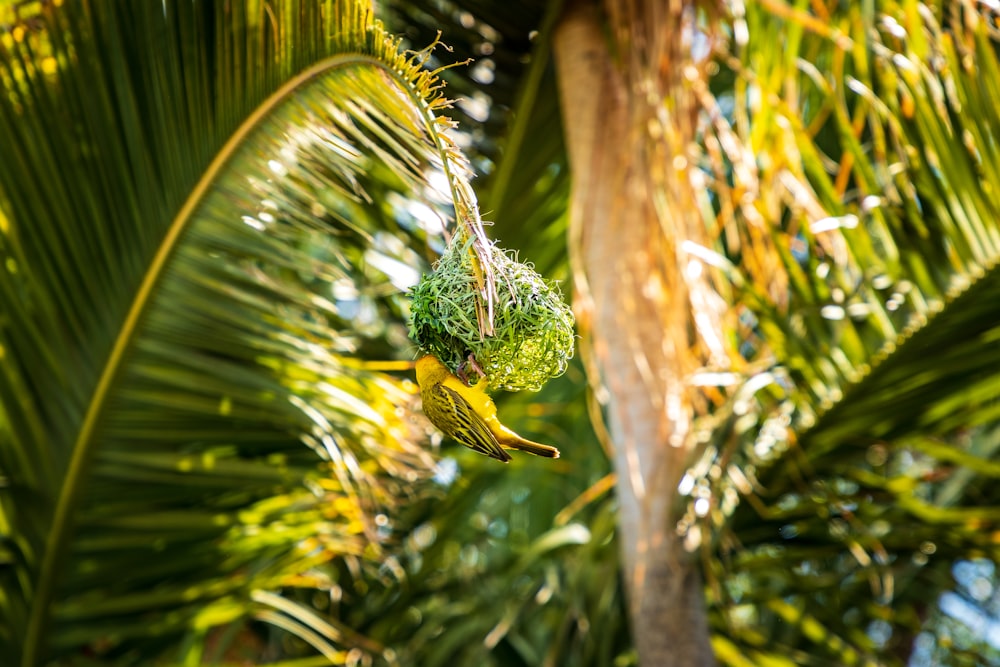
(912, 356)
(423, 93)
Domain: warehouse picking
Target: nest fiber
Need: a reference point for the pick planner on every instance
(532, 339)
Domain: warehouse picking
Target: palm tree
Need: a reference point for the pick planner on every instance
(767, 255)
(782, 260)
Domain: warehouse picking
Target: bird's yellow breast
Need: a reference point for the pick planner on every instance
(431, 372)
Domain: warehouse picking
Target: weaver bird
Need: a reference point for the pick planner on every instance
(468, 414)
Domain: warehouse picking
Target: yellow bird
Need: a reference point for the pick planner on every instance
(468, 414)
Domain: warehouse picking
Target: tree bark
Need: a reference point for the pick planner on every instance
(628, 124)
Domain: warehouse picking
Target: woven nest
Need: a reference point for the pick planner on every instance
(532, 338)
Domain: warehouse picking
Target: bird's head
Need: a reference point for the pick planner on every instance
(430, 369)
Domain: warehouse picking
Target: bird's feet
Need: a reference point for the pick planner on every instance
(463, 367)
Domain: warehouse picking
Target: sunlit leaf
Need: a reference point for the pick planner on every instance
(193, 196)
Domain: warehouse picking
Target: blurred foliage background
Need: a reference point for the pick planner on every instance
(209, 447)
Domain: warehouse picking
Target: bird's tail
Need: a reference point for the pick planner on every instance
(532, 447)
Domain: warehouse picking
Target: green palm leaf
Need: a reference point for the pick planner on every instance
(199, 233)
(869, 440)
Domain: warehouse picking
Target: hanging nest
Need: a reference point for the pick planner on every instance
(532, 327)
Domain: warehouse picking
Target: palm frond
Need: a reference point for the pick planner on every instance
(867, 321)
(204, 220)
(487, 576)
(496, 40)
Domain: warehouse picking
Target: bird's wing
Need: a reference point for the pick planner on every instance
(471, 430)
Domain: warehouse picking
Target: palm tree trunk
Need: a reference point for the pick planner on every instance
(628, 124)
